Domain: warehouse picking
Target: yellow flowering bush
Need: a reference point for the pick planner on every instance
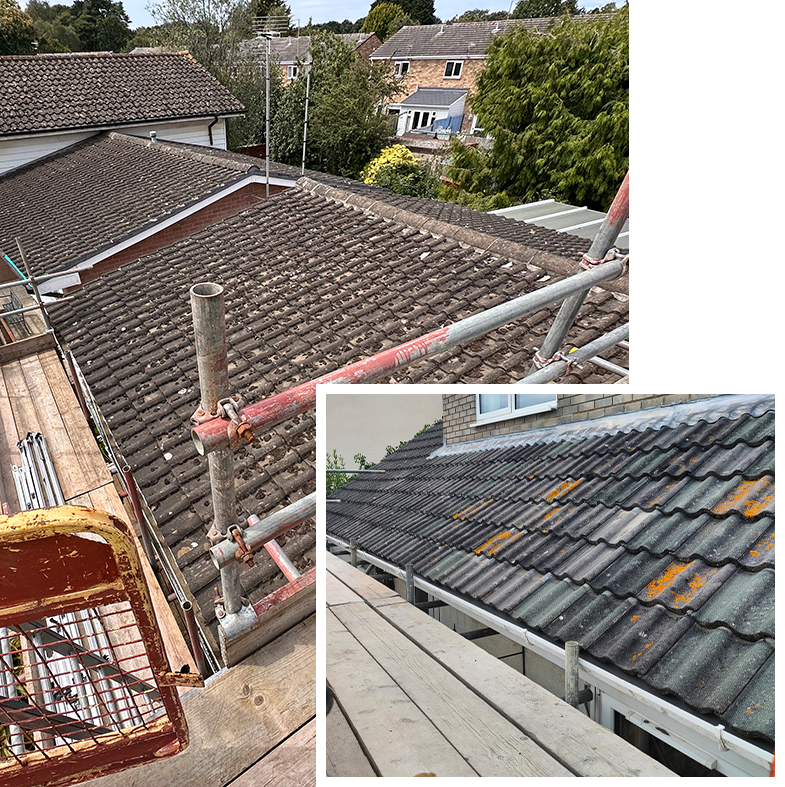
(397, 169)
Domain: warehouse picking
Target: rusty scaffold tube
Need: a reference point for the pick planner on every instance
(219, 434)
(207, 307)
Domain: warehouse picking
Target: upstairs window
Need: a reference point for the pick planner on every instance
(401, 68)
(453, 68)
(500, 407)
(291, 72)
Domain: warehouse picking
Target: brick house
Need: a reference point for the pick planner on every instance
(449, 57)
(291, 52)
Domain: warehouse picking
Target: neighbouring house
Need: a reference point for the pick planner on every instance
(49, 102)
(118, 197)
(445, 57)
(437, 109)
(292, 52)
(640, 527)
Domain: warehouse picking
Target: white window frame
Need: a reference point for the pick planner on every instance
(453, 63)
(292, 71)
(510, 411)
(400, 71)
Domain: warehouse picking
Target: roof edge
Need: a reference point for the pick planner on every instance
(482, 241)
(725, 406)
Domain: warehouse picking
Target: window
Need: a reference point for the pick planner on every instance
(453, 68)
(500, 407)
(401, 68)
(291, 72)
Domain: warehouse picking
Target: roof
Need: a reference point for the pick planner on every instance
(461, 39)
(562, 217)
(129, 184)
(291, 49)
(648, 538)
(312, 284)
(435, 96)
(62, 92)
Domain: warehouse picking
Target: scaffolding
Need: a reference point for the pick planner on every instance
(223, 422)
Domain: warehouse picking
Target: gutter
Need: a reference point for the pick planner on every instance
(116, 126)
(67, 278)
(679, 723)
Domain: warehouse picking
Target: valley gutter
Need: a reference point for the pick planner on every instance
(671, 722)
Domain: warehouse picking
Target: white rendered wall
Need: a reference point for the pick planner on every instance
(17, 152)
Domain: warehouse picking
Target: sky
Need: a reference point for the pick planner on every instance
(326, 11)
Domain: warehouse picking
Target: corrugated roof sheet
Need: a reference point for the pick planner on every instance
(653, 547)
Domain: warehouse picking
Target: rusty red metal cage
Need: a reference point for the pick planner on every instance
(85, 686)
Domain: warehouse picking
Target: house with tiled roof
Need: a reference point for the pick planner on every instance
(48, 102)
(639, 527)
(291, 52)
(117, 197)
(446, 57)
(314, 278)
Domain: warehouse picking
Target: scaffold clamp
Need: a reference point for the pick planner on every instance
(588, 263)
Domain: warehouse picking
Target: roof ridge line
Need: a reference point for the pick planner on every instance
(182, 152)
(481, 241)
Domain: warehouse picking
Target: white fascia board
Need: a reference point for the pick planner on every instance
(68, 279)
(119, 127)
(713, 740)
(178, 217)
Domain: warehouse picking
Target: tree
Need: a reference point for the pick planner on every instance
(208, 29)
(539, 9)
(557, 108)
(345, 127)
(385, 19)
(421, 11)
(480, 15)
(396, 169)
(17, 32)
(53, 27)
(101, 25)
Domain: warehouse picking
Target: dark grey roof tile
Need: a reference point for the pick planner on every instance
(752, 712)
(82, 90)
(708, 668)
(640, 638)
(588, 618)
(744, 603)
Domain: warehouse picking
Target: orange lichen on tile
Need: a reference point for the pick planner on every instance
(753, 506)
(495, 543)
(665, 580)
(695, 584)
(645, 648)
(634, 618)
(567, 486)
(555, 511)
(471, 509)
(764, 545)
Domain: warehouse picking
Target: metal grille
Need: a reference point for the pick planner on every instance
(79, 676)
(84, 684)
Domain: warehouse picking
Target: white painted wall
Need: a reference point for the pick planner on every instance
(18, 152)
(368, 423)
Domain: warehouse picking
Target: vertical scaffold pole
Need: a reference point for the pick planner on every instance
(410, 583)
(207, 307)
(571, 673)
(601, 245)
